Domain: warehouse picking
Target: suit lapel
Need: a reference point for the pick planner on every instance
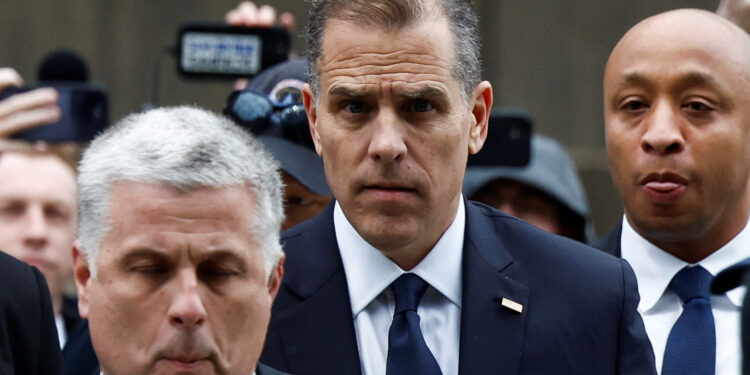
(318, 333)
(491, 333)
(265, 370)
(610, 243)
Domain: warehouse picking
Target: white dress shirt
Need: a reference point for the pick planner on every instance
(660, 307)
(62, 335)
(369, 274)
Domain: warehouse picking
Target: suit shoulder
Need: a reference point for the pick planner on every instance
(26, 315)
(265, 370)
(610, 243)
(529, 244)
(9, 264)
(296, 231)
(305, 242)
(18, 278)
(312, 228)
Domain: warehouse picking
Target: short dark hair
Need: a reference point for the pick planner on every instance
(396, 14)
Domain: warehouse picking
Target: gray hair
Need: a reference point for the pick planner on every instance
(397, 14)
(185, 147)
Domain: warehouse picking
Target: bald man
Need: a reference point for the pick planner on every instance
(677, 113)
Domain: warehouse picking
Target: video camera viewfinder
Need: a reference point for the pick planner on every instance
(218, 50)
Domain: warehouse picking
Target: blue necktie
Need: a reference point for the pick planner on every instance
(408, 354)
(691, 346)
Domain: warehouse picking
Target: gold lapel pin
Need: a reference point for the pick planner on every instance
(513, 305)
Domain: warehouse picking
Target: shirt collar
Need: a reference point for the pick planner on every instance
(62, 334)
(654, 268)
(369, 272)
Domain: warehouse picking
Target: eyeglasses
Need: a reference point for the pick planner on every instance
(282, 116)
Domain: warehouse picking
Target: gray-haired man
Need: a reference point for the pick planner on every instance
(178, 259)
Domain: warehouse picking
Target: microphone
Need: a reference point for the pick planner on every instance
(63, 66)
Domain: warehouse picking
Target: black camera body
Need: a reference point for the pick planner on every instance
(84, 110)
(217, 50)
(508, 140)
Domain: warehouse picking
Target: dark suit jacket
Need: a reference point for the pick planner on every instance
(28, 336)
(610, 243)
(70, 314)
(78, 354)
(579, 304)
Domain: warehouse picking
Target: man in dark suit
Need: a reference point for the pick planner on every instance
(402, 276)
(38, 219)
(178, 259)
(735, 276)
(677, 114)
(28, 337)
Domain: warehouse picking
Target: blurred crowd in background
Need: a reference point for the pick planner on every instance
(47, 121)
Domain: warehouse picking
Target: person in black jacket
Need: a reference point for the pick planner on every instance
(28, 337)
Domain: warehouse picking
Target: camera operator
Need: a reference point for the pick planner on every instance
(306, 192)
(250, 15)
(271, 107)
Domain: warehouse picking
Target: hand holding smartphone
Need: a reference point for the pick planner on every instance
(81, 112)
(33, 108)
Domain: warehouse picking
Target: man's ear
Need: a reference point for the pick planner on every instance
(481, 105)
(308, 100)
(274, 282)
(82, 276)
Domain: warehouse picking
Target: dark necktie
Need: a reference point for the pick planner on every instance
(408, 353)
(691, 346)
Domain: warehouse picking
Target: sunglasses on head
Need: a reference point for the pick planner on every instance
(282, 116)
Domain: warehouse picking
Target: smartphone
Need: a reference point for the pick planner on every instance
(508, 141)
(84, 111)
(217, 50)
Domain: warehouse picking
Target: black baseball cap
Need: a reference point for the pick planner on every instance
(282, 85)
